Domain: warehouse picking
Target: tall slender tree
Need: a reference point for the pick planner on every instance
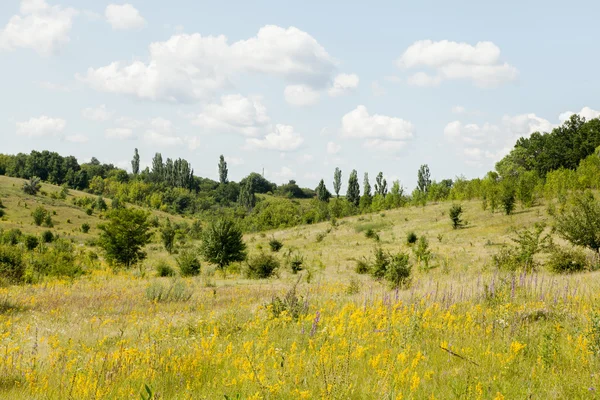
(322, 192)
(367, 198)
(366, 185)
(222, 170)
(157, 168)
(337, 181)
(353, 192)
(380, 185)
(135, 163)
(423, 179)
(247, 198)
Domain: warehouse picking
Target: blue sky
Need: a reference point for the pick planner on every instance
(296, 89)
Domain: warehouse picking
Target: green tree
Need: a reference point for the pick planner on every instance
(423, 179)
(222, 243)
(353, 192)
(322, 192)
(508, 197)
(337, 181)
(222, 170)
(247, 199)
(579, 223)
(167, 235)
(380, 185)
(124, 236)
(135, 163)
(32, 187)
(367, 198)
(455, 216)
(39, 215)
(158, 168)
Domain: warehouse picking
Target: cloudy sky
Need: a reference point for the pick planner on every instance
(296, 89)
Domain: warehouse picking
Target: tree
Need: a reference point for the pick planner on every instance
(167, 234)
(32, 187)
(124, 236)
(222, 243)
(158, 168)
(222, 170)
(247, 198)
(322, 192)
(455, 214)
(508, 197)
(135, 163)
(423, 179)
(39, 214)
(353, 192)
(380, 185)
(366, 199)
(337, 181)
(580, 222)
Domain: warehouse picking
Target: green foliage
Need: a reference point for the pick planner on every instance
(579, 223)
(167, 235)
(521, 256)
(11, 237)
(89, 211)
(422, 252)
(39, 215)
(380, 263)
(275, 245)
(423, 179)
(337, 181)
(380, 185)
(222, 170)
(135, 162)
(222, 243)
(261, 266)
(47, 236)
(296, 263)
(322, 192)
(176, 291)
(188, 263)
(100, 204)
(12, 265)
(398, 271)
(353, 191)
(508, 197)
(85, 227)
(124, 236)
(31, 242)
(290, 303)
(163, 269)
(32, 187)
(371, 234)
(57, 260)
(455, 216)
(48, 223)
(247, 199)
(564, 260)
(411, 238)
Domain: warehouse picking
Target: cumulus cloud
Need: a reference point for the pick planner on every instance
(235, 113)
(39, 26)
(97, 114)
(187, 68)
(124, 17)
(333, 148)
(452, 61)
(360, 124)
(41, 127)
(300, 95)
(119, 133)
(585, 112)
(281, 138)
(343, 84)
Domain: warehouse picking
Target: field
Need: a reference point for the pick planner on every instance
(463, 329)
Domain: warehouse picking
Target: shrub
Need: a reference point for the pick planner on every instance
(290, 303)
(176, 291)
(164, 269)
(379, 267)
(188, 263)
(411, 238)
(31, 242)
(398, 271)
(320, 237)
(353, 287)
(222, 243)
(275, 245)
(261, 266)
(455, 214)
(89, 211)
(11, 237)
(422, 252)
(371, 234)
(508, 199)
(39, 215)
(1, 213)
(296, 263)
(362, 266)
(47, 237)
(580, 222)
(85, 227)
(12, 266)
(48, 223)
(32, 186)
(564, 260)
(58, 260)
(167, 235)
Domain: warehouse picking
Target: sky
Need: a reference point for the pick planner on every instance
(295, 88)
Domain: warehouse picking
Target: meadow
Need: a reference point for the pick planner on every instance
(462, 329)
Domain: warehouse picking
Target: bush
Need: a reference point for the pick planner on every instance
(32, 186)
(580, 222)
(371, 234)
(362, 266)
(58, 260)
(12, 266)
(275, 245)
(188, 263)
(411, 238)
(48, 223)
(11, 237)
(31, 242)
(222, 243)
(290, 303)
(564, 260)
(39, 214)
(85, 228)
(1, 213)
(398, 271)
(261, 266)
(164, 269)
(47, 237)
(379, 267)
(455, 214)
(89, 211)
(422, 252)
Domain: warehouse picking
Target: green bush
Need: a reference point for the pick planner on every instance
(39, 215)
(48, 223)
(362, 266)
(296, 263)
(411, 238)
(31, 242)
(12, 267)
(11, 237)
(261, 266)
(563, 260)
(371, 234)
(57, 260)
(89, 211)
(188, 263)
(422, 252)
(164, 269)
(1, 213)
(85, 227)
(398, 271)
(379, 266)
(455, 214)
(275, 245)
(47, 237)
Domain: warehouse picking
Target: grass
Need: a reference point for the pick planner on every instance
(461, 330)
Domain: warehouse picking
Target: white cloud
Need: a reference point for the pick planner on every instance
(119, 133)
(333, 148)
(41, 126)
(124, 17)
(301, 95)
(78, 138)
(282, 138)
(98, 114)
(187, 68)
(343, 84)
(585, 112)
(40, 27)
(161, 132)
(235, 113)
(452, 60)
(359, 124)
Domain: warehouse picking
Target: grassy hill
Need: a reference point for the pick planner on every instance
(463, 329)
